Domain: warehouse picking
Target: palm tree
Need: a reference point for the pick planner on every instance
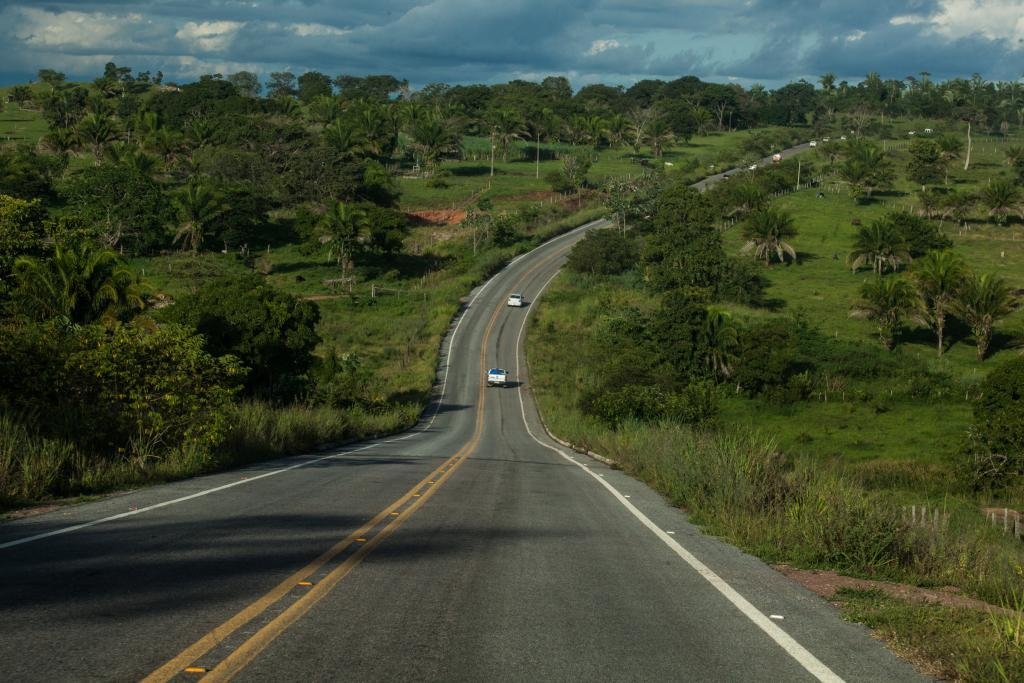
(659, 136)
(164, 142)
(1014, 155)
(324, 109)
(938, 276)
(342, 138)
(434, 136)
(721, 337)
(765, 231)
(143, 124)
(615, 128)
(129, 155)
(83, 282)
(1002, 197)
(60, 140)
(880, 246)
(378, 125)
(957, 206)
(865, 168)
(981, 301)
(507, 126)
(201, 133)
(198, 206)
(702, 119)
(98, 130)
(886, 301)
(343, 228)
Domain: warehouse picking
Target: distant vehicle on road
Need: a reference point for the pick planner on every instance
(497, 377)
(515, 299)
(813, 143)
(752, 167)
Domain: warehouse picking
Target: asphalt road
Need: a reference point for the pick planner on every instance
(472, 548)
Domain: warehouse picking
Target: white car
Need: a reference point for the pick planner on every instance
(813, 143)
(752, 167)
(497, 377)
(515, 300)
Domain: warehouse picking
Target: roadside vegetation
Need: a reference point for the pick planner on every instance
(818, 359)
(809, 374)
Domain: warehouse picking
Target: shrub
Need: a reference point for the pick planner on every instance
(272, 332)
(603, 252)
(994, 451)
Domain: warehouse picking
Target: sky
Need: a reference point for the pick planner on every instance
(614, 42)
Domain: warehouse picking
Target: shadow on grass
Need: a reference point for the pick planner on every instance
(464, 171)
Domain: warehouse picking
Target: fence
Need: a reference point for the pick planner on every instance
(1010, 521)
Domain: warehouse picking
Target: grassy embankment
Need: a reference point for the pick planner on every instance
(829, 482)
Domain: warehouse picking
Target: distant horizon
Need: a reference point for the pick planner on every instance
(265, 79)
(461, 42)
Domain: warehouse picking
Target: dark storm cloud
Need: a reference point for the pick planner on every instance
(472, 41)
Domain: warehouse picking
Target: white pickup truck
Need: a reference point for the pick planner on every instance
(497, 377)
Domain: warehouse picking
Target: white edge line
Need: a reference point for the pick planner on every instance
(199, 494)
(794, 649)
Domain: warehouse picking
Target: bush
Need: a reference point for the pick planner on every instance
(272, 332)
(768, 359)
(603, 252)
(696, 404)
(133, 389)
(994, 452)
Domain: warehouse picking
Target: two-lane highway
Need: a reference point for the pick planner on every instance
(472, 548)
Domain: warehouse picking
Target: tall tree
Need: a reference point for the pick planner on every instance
(246, 82)
(198, 205)
(938, 277)
(1002, 198)
(766, 231)
(879, 245)
(98, 130)
(281, 84)
(886, 301)
(507, 126)
(81, 282)
(343, 229)
(981, 301)
(312, 85)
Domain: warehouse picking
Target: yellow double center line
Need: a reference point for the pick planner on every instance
(397, 512)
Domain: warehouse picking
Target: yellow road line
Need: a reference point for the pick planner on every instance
(213, 638)
(253, 646)
(234, 663)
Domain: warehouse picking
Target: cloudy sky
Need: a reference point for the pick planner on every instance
(615, 42)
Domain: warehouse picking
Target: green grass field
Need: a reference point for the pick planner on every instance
(19, 126)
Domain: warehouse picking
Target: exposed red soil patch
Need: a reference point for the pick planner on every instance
(826, 583)
(442, 217)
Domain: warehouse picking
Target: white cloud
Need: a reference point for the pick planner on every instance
(599, 46)
(73, 31)
(209, 36)
(907, 19)
(854, 36)
(306, 30)
(991, 19)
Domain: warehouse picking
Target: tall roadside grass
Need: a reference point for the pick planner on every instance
(813, 512)
(260, 431)
(37, 469)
